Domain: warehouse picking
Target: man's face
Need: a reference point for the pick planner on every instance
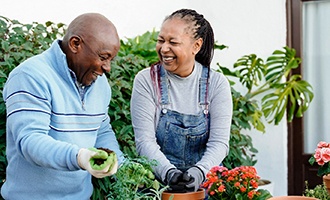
(94, 58)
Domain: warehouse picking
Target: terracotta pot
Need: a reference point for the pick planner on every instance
(292, 198)
(198, 195)
(326, 182)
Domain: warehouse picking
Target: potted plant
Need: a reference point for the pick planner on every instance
(322, 158)
(319, 191)
(238, 183)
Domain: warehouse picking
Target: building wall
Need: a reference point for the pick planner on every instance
(253, 26)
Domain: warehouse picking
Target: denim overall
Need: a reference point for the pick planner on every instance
(183, 137)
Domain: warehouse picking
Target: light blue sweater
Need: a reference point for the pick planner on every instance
(47, 123)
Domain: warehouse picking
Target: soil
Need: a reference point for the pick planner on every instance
(101, 161)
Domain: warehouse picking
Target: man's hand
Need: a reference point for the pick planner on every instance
(87, 160)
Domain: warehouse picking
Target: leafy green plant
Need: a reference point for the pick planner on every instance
(319, 191)
(142, 46)
(280, 92)
(133, 180)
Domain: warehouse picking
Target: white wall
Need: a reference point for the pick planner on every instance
(253, 26)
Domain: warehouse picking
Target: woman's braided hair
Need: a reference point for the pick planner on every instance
(200, 28)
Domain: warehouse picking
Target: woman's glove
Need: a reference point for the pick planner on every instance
(178, 181)
(196, 174)
(97, 162)
(174, 180)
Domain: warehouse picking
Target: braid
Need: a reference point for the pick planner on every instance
(201, 28)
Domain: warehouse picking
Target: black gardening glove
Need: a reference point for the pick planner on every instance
(174, 180)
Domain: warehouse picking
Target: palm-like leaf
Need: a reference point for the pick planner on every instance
(280, 64)
(295, 92)
(282, 94)
(250, 70)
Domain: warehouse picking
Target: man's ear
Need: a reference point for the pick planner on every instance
(75, 43)
(198, 45)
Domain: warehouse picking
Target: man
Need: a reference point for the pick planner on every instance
(57, 107)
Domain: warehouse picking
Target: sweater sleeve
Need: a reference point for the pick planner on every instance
(144, 111)
(220, 111)
(28, 119)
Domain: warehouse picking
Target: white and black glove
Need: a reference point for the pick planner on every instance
(87, 156)
(194, 177)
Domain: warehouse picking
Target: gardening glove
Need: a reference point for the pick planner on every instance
(194, 177)
(87, 160)
(174, 180)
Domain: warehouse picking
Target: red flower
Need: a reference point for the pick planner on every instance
(322, 158)
(221, 188)
(222, 183)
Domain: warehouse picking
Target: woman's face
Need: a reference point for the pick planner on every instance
(176, 47)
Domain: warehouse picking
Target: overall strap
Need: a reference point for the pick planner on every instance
(163, 86)
(160, 82)
(203, 89)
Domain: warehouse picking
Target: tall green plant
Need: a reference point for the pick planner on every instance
(280, 92)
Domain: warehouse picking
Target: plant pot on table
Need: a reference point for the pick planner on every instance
(326, 182)
(198, 195)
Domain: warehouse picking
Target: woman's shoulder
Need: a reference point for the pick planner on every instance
(218, 78)
(143, 74)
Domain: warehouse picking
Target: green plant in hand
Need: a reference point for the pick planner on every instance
(104, 158)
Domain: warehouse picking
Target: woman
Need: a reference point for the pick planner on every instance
(181, 109)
